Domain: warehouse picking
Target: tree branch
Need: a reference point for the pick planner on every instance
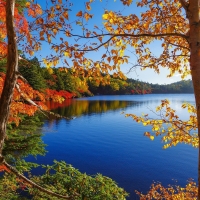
(93, 49)
(12, 67)
(184, 4)
(35, 185)
(34, 104)
(179, 46)
(133, 35)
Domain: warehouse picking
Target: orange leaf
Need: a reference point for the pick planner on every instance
(88, 7)
(87, 16)
(79, 14)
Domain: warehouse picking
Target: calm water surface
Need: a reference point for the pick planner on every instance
(101, 140)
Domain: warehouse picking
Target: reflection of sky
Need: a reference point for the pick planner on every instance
(97, 10)
(115, 146)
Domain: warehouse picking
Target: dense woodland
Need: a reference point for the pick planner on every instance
(65, 82)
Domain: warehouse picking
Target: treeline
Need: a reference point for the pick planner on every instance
(67, 83)
(184, 86)
(131, 86)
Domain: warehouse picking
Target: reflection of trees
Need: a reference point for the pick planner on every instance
(82, 107)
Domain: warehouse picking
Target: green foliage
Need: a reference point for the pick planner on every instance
(184, 86)
(9, 187)
(20, 5)
(3, 65)
(23, 141)
(31, 71)
(65, 179)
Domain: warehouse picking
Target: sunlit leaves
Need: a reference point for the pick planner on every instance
(158, 19)
(170, 127)
(158, 191)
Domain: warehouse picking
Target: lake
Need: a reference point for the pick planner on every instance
(100, 139)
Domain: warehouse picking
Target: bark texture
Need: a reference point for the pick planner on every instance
(194, 41)
(11, 77)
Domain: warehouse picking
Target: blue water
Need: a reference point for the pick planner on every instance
(102, 140)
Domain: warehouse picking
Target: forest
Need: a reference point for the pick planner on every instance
(64, 82)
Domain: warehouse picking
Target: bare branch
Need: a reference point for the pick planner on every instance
(93, 49)
(39, 107)
(21, 77)
(25, 98)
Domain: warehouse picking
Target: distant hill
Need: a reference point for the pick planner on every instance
(184, 86)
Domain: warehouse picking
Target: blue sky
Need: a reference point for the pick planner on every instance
(97, 10)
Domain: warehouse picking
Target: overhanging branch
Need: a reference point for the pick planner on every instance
(132, 35)
(35, 185)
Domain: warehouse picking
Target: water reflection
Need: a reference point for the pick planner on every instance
(101, 140)
(101, 104)
(71, 108)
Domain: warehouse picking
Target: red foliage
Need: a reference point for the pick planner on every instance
(58, 96)
(4, 168)
(21, 25)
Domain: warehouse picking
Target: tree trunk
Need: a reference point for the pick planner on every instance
(194, 41)
(11, 77)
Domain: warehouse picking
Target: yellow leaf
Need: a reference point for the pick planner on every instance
(66, 53)
(28, 4)
(151, 137)
(121, 53)
(105, 16)
(144, 123)
(155, 128)
(50, 70)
